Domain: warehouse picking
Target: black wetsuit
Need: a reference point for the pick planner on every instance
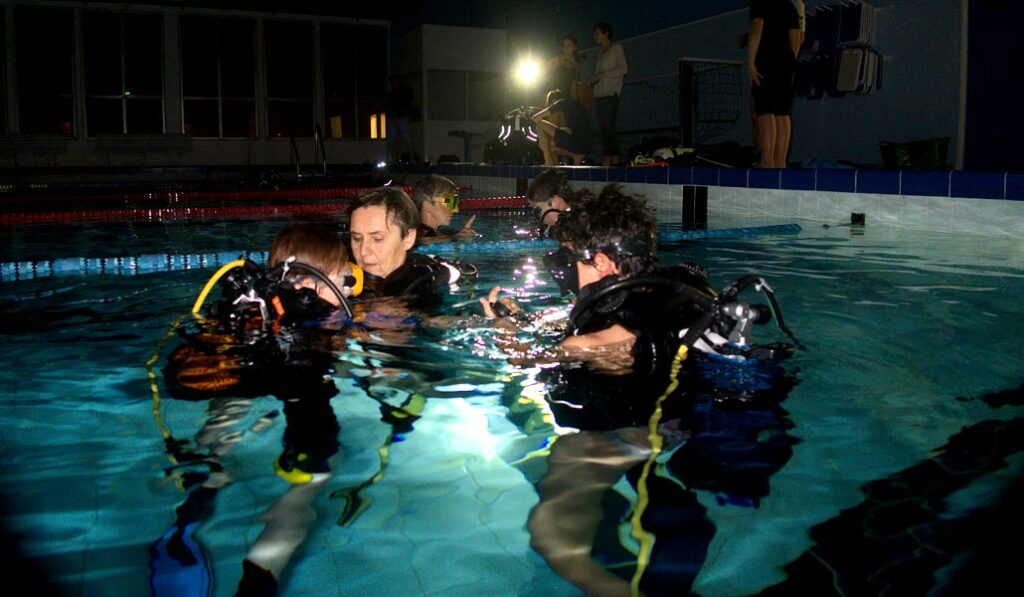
(420, 278)
(424, 231)
(723, 419)
(232, 355)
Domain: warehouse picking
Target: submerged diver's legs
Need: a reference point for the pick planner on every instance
(683, 531)
(581, 468)
(287, 525)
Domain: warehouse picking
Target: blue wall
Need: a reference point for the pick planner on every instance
(920, 97)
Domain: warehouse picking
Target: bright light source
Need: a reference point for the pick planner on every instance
(382, 165)
(527, 71)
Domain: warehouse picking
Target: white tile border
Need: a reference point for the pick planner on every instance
(983, 217)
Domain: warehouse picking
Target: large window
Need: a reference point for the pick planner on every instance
(289, 48)
(123, 73)
(218, 77)
(44, 52)
(355, 64)
(110, 80)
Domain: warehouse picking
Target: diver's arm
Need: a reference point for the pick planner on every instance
(488, 304)
(609, 351)
(465, 232)
(615, 334)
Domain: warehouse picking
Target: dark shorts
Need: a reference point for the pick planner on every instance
(775, 93)
(573, 143)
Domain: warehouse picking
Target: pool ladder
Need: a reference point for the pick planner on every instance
(319, 153)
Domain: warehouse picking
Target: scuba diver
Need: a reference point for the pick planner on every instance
(383, 228)
(637, 396)
(549, 195)
(628, 306)
(256, 341)
(437, 198)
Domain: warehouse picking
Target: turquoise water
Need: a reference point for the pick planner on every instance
(903, 333)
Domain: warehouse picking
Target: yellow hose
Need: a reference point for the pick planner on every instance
(213, 281)
(645, 537)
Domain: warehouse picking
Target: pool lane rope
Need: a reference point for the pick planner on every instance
(163, 262)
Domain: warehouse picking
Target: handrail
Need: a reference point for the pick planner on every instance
(295, 156)
(318, 142)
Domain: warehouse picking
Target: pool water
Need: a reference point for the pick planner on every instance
(904, 334)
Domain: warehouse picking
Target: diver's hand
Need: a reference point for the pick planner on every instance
(494, 308)
(467, 230)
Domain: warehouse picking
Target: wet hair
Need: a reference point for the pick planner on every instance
(311, 244)
(431, 186)
(604, 28)
(548, 183)
(612, 218)
(398, 207)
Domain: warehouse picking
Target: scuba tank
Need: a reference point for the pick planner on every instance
(678, 307)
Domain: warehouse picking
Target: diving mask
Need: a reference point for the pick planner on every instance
(451, 201)
(561, 265)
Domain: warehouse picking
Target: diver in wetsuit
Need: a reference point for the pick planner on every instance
(632, 326)
(437, 198)
(549, 195)
(256, 341)
(382, 225)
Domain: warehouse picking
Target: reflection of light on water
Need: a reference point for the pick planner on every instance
(535, 393)
(529, 276)
(468, 429)
(458, 387)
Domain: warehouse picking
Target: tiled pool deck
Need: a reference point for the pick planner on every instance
(989, 204)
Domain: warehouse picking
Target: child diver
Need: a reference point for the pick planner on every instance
(643, 410)
(255, 341)
(627, 305)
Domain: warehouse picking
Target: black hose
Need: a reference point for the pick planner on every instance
(702, 299)
(323, 278)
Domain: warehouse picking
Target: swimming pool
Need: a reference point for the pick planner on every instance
(904, 333)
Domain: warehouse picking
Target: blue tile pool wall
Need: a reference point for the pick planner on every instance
(990, 204)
